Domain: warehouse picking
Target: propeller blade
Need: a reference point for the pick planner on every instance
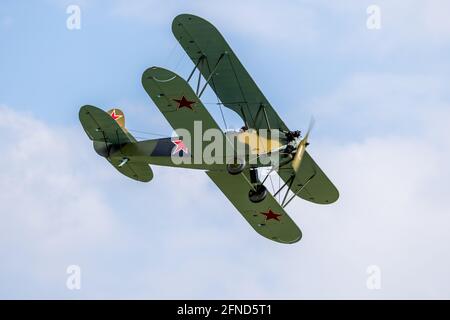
(312, 121)
(302, 147)
(299, 155)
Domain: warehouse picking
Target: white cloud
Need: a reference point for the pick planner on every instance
(50, 208)
(178, 237)
(384, 140)
(47, 189)
(390, 213)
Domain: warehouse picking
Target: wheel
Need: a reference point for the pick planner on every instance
(257, 195)
(237, 167)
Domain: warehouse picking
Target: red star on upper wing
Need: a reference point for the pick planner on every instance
(179, 146)
(271, 215)
(184, 103)
(115, 116)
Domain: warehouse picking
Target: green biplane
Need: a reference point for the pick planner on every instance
(234, 160)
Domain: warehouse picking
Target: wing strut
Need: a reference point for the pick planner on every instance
(197, 66)
(199, 79)
(266, 118)
(244, 117)
(211, 73)
(289, 182)
(298, 191)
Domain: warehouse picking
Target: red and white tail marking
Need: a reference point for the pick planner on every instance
(117, 116)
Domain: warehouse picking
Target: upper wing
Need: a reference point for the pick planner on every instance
(268, 218)
(310, 182)
(229, 79)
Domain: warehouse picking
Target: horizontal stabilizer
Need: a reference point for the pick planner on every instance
(135, 170)
(109, 135)
(100, 126)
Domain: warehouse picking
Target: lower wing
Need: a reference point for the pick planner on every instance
(267, 217)
(310, 183)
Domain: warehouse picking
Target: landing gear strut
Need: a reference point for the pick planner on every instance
(259, 193)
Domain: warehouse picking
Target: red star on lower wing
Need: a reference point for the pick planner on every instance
(114, 115)
(179, 146)
(271, 215)
(184, 103)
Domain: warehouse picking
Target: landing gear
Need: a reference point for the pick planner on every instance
(236, 167)
(257, 195)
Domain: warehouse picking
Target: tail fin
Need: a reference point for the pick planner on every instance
(118, 116)
(108, 133)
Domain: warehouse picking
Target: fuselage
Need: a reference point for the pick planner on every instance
(257, 150)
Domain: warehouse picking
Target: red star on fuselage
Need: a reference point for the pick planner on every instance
(271, 215)
(184, 103)
(179, 146)
(115, 116)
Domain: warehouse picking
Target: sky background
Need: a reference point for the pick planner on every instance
(381, 101)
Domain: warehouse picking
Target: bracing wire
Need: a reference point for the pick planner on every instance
(181, 59)
(221, 112)
(141, 138)
(279, 186)
(148, 133)
(169, 56)
(271, 183)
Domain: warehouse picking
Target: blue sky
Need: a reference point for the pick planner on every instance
(381, 103)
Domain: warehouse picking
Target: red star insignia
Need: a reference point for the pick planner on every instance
(271, 215)
(184, 103)
(115, 116)
(179, 146)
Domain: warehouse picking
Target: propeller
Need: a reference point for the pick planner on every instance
(301, 147)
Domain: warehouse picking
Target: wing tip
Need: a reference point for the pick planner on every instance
(182, 18)
(157, 72)
(290, 241)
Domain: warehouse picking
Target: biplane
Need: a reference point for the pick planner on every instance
(236, 176)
